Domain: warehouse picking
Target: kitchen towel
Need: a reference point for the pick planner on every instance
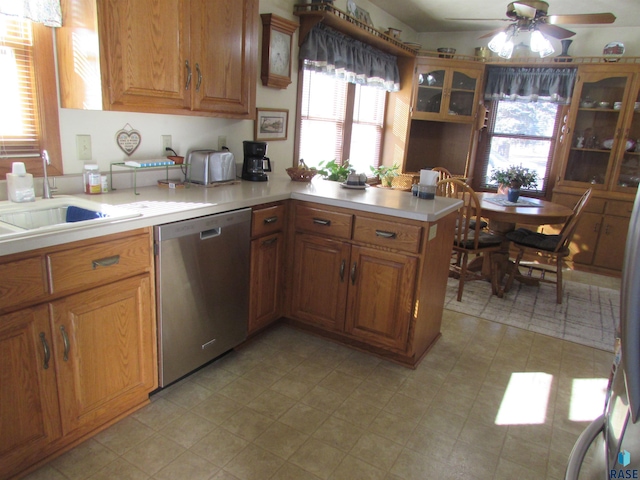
(77, 214)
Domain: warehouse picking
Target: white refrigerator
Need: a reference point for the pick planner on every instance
(615, 435)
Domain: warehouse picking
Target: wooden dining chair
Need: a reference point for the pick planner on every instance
(548, 247)
(469, 238)
(443, 173)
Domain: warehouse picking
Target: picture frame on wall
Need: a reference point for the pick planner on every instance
(271, 124)
(362, 15)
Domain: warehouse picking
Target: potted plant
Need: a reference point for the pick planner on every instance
(330, 170)
(514, 178)
(386, 173)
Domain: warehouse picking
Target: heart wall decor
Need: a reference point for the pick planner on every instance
(128, 139)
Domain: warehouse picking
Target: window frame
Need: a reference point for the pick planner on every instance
(481, 163)
(348, 121)
(46, 100)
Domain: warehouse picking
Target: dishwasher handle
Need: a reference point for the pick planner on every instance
(214, 232)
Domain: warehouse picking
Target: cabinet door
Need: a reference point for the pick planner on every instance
(144, 47)
(105, 350)
(380, 299)
(267, 255)
(627, 172)
(224, 53)
(596, 136)
(320, 281)
(29, 412)
(446, 93)
(610, 250)
(585, 238)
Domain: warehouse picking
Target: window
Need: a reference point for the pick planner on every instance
(340, 120)
(520, 133)
(28, 95)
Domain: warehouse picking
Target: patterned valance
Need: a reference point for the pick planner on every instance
(537, 84)
(327, 51)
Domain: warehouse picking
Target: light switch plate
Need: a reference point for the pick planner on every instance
(83, 146)
(222, 141)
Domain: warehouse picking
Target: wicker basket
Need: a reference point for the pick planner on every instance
(404, 181)
(298, 174)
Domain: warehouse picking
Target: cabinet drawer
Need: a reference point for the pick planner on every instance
(267, 220)
(23, 281)
(96, 264)
(324, 222)
(388, 234)
(619, 208)
(595, 205)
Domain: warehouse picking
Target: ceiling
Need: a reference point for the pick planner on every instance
(426, 16)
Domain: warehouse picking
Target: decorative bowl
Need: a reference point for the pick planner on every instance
(298, 174)
(608, 144)
(587, 104)
(446, 52)
(604, 104)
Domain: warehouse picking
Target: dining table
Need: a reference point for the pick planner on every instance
(503, 216)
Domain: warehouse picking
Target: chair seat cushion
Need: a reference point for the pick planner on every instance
(484, 240)
(525, 237)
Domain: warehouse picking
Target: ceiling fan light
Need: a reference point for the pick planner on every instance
(507, 49)
(547, 49)
(537, 41)
(497, 42)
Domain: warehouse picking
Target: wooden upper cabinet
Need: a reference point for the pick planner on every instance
(179, 56)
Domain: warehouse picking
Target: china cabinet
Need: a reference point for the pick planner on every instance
(604, 127)
(446, 90)
(77, 331)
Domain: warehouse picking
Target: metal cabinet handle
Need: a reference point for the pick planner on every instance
(45, 348)
(106, 261)
(269, 220)
(65, 341)
(596, 227)
(188, 82)
(606, 229)
(353, 273)
(320, 221)
(383, 234)
(342, 267)
(199, 82)
(270, 241)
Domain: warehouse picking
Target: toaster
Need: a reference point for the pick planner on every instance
(210, 166)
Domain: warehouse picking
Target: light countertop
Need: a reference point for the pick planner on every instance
(157, 206)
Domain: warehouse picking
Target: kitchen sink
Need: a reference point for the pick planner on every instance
(63, 212)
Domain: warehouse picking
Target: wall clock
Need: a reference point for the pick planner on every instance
(277, 33)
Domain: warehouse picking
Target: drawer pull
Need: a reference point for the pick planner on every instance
(321, 221)
(65, 341)
(270, 241)
(353, 273)
(106, 261)
(342, 267)
(188, 82)
(199, 82)
(269, 220)
(383, 234)
(45, 348)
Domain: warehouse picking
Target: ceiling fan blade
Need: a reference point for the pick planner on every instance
(584, 18)
(482, 19)
(492, 33)
(524, 10)
(554, 31)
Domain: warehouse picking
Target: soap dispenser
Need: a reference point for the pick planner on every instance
(20, 184)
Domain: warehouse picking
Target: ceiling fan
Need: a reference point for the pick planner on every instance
(530, 15)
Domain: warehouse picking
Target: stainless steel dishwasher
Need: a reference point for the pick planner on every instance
(202, 287)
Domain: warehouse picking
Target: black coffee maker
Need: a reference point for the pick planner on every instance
(255, 161)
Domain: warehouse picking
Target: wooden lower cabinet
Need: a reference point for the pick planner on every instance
(371, 281)
(102, 345)
(84, 354)
(29, 411)
(600, 237)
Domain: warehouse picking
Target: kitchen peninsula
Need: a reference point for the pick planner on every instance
(77, 375)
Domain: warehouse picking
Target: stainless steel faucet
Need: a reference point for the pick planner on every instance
(46, 189)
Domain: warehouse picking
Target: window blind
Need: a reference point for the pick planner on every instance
(19, 129)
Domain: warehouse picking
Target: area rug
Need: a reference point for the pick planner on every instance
(588, 314)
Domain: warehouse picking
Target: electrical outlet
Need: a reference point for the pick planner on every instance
(222, 141)
(83, 146)
(166, 143)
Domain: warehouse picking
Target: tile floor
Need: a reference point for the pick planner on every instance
(294, 406)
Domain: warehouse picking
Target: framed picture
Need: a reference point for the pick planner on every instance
(271, 124)
(362, 15)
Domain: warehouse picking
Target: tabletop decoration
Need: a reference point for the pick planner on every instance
(514, 178)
